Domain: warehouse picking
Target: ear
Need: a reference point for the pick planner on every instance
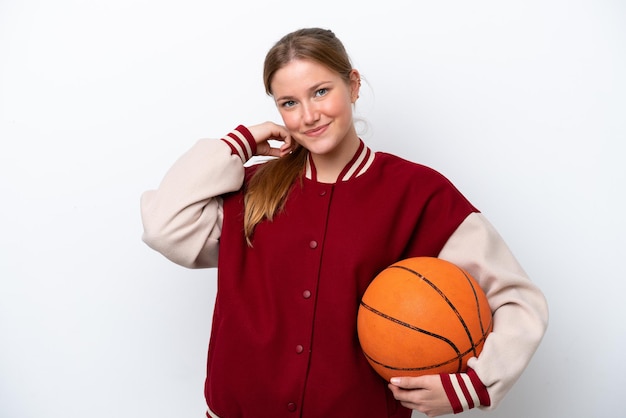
(355, 85)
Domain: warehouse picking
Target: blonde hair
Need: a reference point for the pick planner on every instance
(267, 191)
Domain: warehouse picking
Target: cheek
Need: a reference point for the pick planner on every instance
(342, 106)
(290, 120)
(343, 110)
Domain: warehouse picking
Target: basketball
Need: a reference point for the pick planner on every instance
(422, 315)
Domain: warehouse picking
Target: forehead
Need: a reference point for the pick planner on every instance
(301, 74)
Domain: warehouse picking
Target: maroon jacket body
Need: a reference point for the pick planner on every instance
(284, 340)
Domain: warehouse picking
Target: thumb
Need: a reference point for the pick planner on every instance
(408, 382)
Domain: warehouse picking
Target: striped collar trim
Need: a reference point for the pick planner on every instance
(357, 166)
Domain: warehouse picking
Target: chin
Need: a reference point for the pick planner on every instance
(321, 148)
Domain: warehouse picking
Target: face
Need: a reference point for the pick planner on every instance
(316, 105)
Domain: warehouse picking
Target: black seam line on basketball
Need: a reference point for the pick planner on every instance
(476, 301)
(458, 359)
(414, 369)
(480, 317)
(448, 301)
(413, 327)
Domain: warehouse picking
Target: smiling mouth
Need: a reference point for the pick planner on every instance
(316, 131)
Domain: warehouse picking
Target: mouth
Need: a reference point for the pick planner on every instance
(317, 131)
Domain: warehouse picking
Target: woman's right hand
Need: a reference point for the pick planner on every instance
(267, 131)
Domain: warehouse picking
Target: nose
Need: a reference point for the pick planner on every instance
(310, 113)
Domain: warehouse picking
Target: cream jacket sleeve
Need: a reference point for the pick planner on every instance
(182, 218)
(520, 311)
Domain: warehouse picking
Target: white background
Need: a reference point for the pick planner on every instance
(522, 104)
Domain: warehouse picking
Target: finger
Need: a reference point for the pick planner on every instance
(273, 152)
(287, 147)
(279, 133)
(265, 149)
(408, 382)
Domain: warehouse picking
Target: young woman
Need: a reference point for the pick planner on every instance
(298, 239)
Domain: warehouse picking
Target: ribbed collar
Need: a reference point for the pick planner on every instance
(360, 162)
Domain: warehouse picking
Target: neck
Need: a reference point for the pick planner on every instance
(329, 166)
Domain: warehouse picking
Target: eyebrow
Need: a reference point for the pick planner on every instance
(312, 88)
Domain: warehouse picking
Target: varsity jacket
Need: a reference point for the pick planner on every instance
(283, 338)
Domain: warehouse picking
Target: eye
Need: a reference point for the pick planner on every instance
(321, 92)
(288, 104)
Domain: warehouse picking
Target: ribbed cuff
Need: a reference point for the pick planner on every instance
(241, 143)
(465, 390)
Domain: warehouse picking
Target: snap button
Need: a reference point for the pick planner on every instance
(313, 244)
(291, 407)
(299, 349)
(323, 193)
(306, 294)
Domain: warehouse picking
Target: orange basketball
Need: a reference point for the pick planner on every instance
(422, 315)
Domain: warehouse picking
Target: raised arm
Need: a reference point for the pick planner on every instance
(182, 218)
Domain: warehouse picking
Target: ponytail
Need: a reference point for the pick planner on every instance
(267, 191)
